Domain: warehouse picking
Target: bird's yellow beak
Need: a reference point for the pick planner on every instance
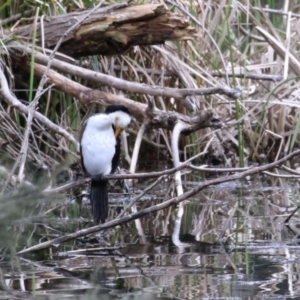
(118, 131)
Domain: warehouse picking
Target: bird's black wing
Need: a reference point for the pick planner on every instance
(82, 163)
(116, 158)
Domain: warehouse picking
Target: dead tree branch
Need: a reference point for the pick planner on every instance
(252, 76)
(155, 118)
(20, 52)
(110, 30)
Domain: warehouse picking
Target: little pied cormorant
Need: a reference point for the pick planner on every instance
(100, 153)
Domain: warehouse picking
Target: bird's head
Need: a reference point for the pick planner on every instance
(121, 117)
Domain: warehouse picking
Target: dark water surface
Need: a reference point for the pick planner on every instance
(164, 256)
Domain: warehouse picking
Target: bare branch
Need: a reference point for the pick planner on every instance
(253, 76)
(17, 49)
(158, 118)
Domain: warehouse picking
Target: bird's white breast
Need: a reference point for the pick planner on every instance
(98, 145)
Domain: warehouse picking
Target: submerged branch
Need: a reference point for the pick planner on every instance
(160, 206)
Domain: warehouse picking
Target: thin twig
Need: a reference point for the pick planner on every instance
(273, 11)
(287, 220)
(16, 17)
(245, 74)
(253, 76)
(290, 170)
(281, 175)
(229, 219)
(133, 164)
(204, 168)
(138, 197)
(136, 148)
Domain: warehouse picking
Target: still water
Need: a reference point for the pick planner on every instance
(231, 243)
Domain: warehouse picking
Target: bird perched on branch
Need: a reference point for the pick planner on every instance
(100, 153)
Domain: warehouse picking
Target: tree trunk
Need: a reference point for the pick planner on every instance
(108, 31)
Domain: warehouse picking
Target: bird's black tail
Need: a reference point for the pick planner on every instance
(99, 200)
